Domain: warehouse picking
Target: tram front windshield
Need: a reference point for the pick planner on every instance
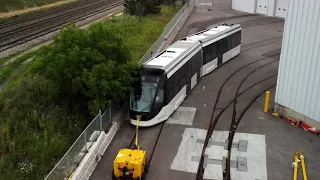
(144, 102)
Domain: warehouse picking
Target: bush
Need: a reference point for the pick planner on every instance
(9, 69)
(36, 128)
(91, 65)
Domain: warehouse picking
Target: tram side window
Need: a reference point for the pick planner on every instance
(225, 44)
(194, 63)
(229, 46)
(182, 76)
(238, 38)
(207, 54)
(210, 52)
(159, 98)
(233, 41)
(171, 84)
(214, 50)
(176, 82)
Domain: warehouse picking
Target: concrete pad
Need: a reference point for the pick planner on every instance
(189, 149)
(183, 115)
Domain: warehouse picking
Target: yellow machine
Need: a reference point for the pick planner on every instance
(130, 163)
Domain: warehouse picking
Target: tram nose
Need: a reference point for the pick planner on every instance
(144, 116)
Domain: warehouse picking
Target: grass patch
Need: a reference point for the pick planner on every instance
(141, 36)
(38, 123)
(7, 70)
(11, 5)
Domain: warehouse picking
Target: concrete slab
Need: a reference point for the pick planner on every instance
(253, 161)
(274, 142)
(183, 115)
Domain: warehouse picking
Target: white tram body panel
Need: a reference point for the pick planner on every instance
(182, 65)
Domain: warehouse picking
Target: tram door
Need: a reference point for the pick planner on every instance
(193, 71)
(189, 75)
(220, 51)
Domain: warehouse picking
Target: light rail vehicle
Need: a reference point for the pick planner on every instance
(168, 78)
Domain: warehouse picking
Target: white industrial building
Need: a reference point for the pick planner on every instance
(298, 84)
(276, 8)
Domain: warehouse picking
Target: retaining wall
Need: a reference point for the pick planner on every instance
(91, 159)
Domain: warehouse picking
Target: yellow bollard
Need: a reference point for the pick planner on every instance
(295, 166)
(303, 165)
(266, 102)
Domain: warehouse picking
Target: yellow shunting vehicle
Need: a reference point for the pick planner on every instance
(130, 164)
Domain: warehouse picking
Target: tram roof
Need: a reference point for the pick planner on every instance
(179, 50)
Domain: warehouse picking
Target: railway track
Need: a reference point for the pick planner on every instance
(219, 109)
(19, 31)
(39, 15)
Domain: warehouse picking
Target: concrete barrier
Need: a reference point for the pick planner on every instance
(96, 151)
(91, 159)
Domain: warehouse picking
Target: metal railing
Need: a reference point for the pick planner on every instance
(157, 46)
(72, 158)
(69, 162)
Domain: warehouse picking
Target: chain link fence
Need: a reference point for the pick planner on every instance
(80, 147)
(102, 121)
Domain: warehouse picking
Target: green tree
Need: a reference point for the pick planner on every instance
(91, 66)
(142, 7)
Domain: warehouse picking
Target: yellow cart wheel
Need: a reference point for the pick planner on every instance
(143, 176)
(113, 175)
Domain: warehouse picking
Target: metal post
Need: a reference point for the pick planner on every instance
(295, 166)
(110, 116)
(68, 164)
(303, 166)
(100, 119)
(85, 140)
(137, 129)
(266, 102)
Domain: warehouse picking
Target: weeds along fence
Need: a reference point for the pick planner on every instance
(160, 42)
(80, 147)
(69, 162)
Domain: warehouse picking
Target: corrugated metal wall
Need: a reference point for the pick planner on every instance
(298, 86)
